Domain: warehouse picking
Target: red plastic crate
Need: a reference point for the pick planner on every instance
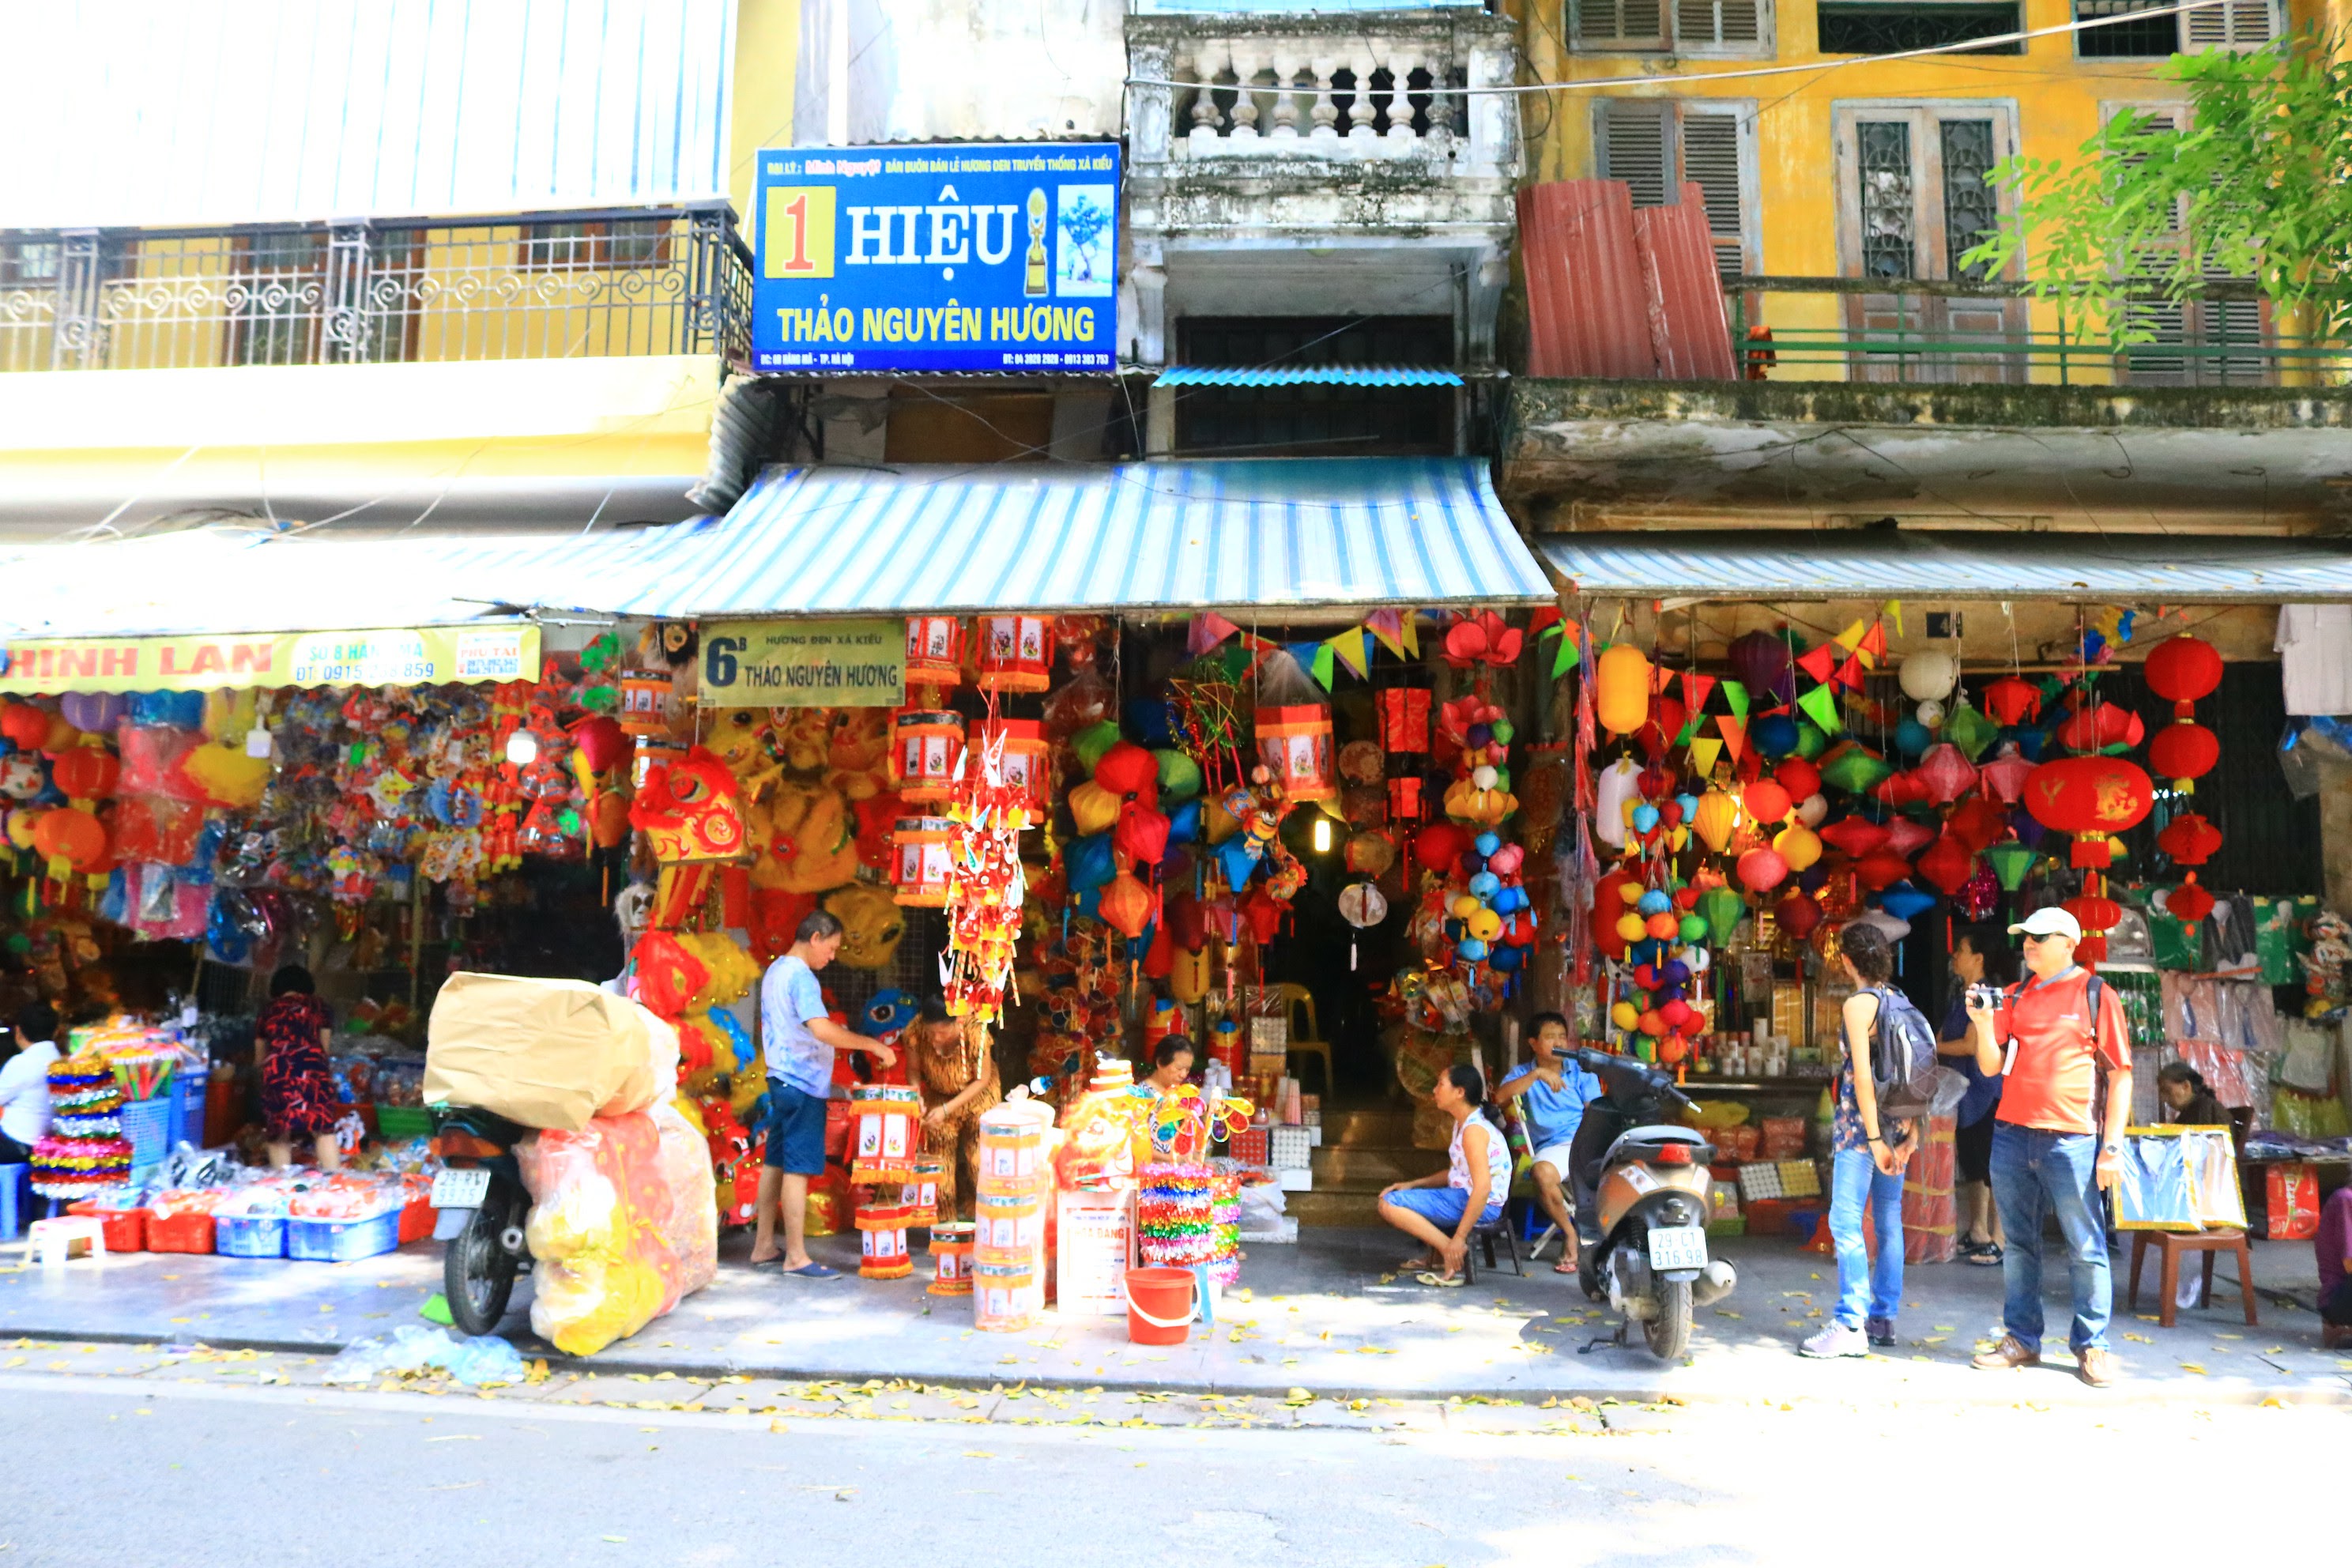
(415, 1220)
(1767, 1217)
(180, 1233)
(126, 1229)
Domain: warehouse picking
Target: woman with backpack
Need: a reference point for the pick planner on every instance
(1868, 1153)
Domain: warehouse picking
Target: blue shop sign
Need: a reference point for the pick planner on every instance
(984, 257)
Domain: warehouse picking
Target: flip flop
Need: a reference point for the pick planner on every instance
(1441, 1281)
(1986, 1256)
(1565, 1265)
(814, 1271)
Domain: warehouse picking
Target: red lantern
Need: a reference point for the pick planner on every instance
(1855, 836)
(1798, 915)
(1949, 863)
(1141, 835)
(2004, 777)
(1798, 777)
(1127, 905)
(1947, 773)
(1440, 846)
(602, 742)
(934, 652)
(1024, 760)
(2011, 700)
(1762, 870)
(1263, 913)
(1979, 822)
(1405, 803)
(2092, 798)
(1907, 836)
(1295, 744)
(1127, 769)
(1404, 719)
(2183, 668)
(1880, 870)
(25, 725)
(2099, 726)
(1016, 653)
(2189, 902)
(1901, 789)
(2095, 912)
(1768, 801)
(2183, 751)
(2188, 839)
(86, 773)
(1608, 904)
(72, 836)
(925, 750)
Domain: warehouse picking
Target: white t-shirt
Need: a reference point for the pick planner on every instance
(2314, 646)
(24, 1094)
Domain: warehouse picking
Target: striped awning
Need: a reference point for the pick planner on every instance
(1270, 533)
(1306, 376)
(2087, 568)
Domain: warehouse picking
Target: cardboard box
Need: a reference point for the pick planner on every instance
(1269, 1036)
(1095, 1248)
(1298, 1181)
(1268, 1065)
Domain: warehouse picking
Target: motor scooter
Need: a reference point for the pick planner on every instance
(480, 1205)
(1642, 1205)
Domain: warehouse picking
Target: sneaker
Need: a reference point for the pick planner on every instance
(1880, 1332)
(2010, 1354)
(1836, 1340)
(2095, 1367)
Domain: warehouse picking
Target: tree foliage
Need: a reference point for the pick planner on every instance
(2255, 182)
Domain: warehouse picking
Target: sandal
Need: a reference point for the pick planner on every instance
(1986, 1256)
(1441, 1281)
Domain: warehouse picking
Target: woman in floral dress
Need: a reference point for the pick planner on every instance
(297, 1088)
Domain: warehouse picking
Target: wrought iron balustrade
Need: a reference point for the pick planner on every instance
(530, 285)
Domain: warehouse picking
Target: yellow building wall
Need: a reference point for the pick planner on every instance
(2057, 99)
(767, 52)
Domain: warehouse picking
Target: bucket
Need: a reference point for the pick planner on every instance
(1160, 1306)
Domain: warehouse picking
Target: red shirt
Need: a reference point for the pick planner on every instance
(2053, 1080)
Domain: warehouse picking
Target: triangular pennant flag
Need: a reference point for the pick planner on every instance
(1386, 625)
(1565, 658)
(1303, 654)
(1735, 735)
(1820, 663)
(1894, 613)
(1208, 629)
(1690, 727)
(1849, 674)
(1735, 697)
(1409, 631)
(1703, 754)
(1319, 666)
(1851, 637)
(1355, 650)
(1696, 688)
(1821, 706)
(1873, 646)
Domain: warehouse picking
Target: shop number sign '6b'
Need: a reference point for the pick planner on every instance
(996, 257)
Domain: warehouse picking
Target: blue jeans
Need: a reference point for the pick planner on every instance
(1867, 1286)
(2033, 1174)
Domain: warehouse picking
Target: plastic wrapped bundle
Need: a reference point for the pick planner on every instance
(623, 1223)
(692, 1228)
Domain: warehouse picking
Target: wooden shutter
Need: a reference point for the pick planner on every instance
(1712, 26)
(1620, 24)
(1711, 160)
(1636, 147)
(2236, 25)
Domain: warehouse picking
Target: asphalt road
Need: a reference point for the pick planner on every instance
(124, 1458)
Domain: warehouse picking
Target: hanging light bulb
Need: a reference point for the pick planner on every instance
(1322, 834)
(522, 748)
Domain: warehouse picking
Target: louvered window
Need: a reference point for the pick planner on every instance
(1656, 146)
(2209, 324)
(1699, 27)
(2237, 25)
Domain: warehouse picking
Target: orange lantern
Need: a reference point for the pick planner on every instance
(921, 856)
(882, 1241)
(952, 1258)
(645, 694)
(1027, 759)
(1295, 744)
(2093, 798)
(86, 773)
(1404, 719)
(934, 651)
(1016, 653)
(70, 837)
(926, 746)
(885, 1116)
(1127, 905)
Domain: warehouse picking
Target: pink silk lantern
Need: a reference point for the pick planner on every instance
(2004, 777)
(1946, 772)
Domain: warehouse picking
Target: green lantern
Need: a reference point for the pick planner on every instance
(2010, 860)
(1970, 730)
(1855, 768)
(1721, 909)
(1092, 742)
(1694, 929)
(1812, 741)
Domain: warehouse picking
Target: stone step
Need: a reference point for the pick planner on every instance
(1378, 1129)
(1368, 1170)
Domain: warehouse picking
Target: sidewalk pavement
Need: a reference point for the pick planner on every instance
(1331, 1315)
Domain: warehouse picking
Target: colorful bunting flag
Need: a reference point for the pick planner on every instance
(1566, 658)
(1354, 647)
(1696, 689)
(1207, 630)
(1849, 674)
(1703, 752)
(1320, 667)
(1851, 638)
(1821, 706)
(1735, 696)
(1387, 626)
(1820, 662)
(1735, 735)
(1894, 613)
(1873, 646)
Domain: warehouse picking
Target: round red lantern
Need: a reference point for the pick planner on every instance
(1760, 871)
(2184, 751)
(1798, 777)
(934, 652)
(1016, 653)
(1798, 915)
(1880, 870)
(1127, 770)
(2188, 839)
(2183, 668)
(25, 725)
(1768, 800)
(86, 773)
(2094, 912)
(1439, 845)
(1853, 835)
(2092, 798)
(2189, 902)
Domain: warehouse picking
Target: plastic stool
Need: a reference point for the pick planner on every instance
(15, 1200)
(53, 1240)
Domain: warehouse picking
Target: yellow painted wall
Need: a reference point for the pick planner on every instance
(766, 51)
(2057, 100)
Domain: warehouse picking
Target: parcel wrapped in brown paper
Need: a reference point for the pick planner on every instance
(549, 1054)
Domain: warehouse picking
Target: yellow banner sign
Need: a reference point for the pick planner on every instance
(805, 664)
(408, 657)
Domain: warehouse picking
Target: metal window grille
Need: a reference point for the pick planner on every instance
(1887, 213)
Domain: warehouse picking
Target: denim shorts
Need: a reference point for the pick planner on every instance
(795, 1131)
(1442, 1207)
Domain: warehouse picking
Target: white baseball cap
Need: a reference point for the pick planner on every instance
(2050, 922)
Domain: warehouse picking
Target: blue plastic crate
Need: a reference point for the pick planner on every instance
(249, 1236)
(342, 1240)
(149, 1125)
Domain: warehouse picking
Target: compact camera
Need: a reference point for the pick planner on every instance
(1983, 999)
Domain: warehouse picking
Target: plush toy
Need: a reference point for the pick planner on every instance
(872, 924)
(803, 737)
(857, 752)
(804, 840)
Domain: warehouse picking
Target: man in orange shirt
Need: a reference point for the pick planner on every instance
(2051, 1152)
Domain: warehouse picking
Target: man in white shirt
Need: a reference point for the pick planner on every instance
(25, 1085)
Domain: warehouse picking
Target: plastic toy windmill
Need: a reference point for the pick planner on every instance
(1184, 1122)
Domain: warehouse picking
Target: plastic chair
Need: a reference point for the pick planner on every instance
(2171, 1245)
(1309, 1042)
(52, 1240)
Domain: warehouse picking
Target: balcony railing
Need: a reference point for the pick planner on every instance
(534, 286)
(1928, 331)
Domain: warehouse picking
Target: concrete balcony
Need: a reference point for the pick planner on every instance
(1308, 164)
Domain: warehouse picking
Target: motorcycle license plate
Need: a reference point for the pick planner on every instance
(1678, 1247)
(466, 1189)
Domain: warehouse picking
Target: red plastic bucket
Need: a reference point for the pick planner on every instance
(1160, 1306)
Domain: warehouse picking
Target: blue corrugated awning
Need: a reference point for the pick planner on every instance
(1307, 375)
(1271, 533)
(2101, 568)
